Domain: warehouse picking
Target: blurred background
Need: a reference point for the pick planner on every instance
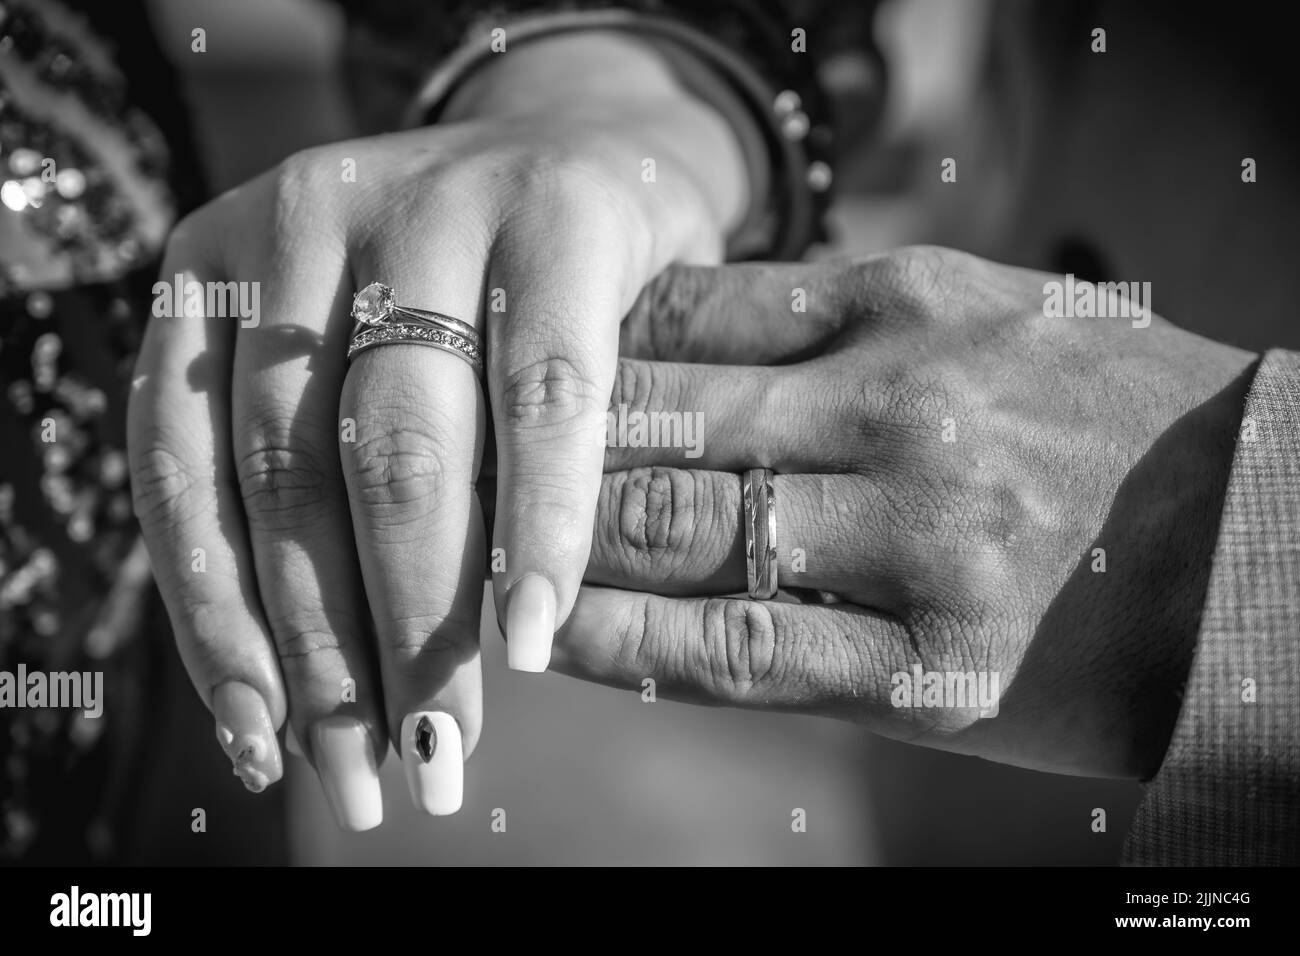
(1062, 167)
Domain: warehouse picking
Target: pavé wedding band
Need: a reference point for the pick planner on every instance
(381, 321)
(759, 493)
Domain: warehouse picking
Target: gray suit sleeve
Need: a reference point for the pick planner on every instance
(1228, 790)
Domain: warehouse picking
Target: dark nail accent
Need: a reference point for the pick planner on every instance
(426, 739)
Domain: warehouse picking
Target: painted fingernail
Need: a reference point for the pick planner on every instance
(433, 760)
(291, 742)
(530, 624)
(345, 761)
(246, 734)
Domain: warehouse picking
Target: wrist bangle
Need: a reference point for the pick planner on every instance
(780, 225)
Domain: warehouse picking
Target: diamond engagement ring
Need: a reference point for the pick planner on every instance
(379, 320)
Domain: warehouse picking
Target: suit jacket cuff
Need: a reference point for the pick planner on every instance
(1227, 791)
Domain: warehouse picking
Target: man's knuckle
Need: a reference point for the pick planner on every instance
(877, 277)
(903, 286)
(740, 646)
(657, 520)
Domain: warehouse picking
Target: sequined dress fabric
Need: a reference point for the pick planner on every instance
(88, 134)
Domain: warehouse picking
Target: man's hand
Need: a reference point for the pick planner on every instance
(1016, 513)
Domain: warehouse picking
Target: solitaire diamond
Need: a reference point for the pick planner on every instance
(373, 305)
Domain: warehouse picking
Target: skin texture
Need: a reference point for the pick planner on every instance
(973, 554)
(343, 572)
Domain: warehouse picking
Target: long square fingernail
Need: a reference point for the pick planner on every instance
(433, 758)
(345, 761)
(530, 624)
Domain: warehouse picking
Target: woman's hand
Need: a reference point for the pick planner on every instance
(314, 529)
(1024, 506)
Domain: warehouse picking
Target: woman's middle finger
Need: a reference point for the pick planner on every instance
(419, 415)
